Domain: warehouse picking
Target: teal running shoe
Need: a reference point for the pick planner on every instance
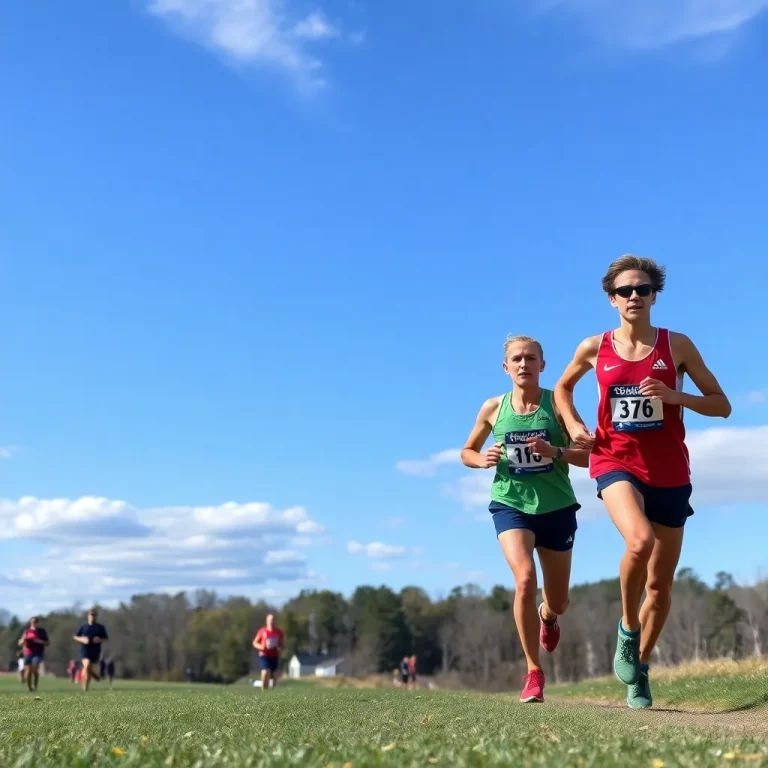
(639, 695)
(626, 662)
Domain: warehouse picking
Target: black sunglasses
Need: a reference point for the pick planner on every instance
(625, 291)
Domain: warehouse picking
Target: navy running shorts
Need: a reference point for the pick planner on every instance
(552, 530)
(268, 663)
(32, 659)
(669, 507)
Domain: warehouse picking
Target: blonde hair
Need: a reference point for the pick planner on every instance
(511, 339)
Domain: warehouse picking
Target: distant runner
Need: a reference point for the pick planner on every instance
(111, 671)
(33, 641)
(639, 457)
(269, 642)
(91, 637)
(405, 671)
(412, 670)
(71, 670)
(533, 504)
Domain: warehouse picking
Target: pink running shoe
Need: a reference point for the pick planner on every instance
(549, 635)
(533, 687)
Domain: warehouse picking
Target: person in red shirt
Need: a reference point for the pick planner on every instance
(269, 642)
(33, 641)
(638, 457)
(71, 669)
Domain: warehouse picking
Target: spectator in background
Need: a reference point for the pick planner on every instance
(110, 671)
(71, 669)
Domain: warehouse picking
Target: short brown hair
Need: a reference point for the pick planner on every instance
(655, 272)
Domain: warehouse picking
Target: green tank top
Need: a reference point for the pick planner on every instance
(530, 484)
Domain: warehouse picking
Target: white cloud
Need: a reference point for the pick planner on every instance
(376, 549)
(104, 549)
(284, 556)
(8, 451)
(428, 467)
(756, 397)
(252, 32)
(315, 27)
(655, 23)
(727, 468)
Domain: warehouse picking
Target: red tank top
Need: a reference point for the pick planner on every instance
(634, 433)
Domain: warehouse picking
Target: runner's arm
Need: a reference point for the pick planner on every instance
(471, 453)
(584, 359)
(579, 457)
(258, 644)
(712, 401)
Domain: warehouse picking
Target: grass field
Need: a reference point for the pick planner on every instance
(144, 724)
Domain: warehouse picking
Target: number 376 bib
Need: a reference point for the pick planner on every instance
(631, 411)
(520, 458)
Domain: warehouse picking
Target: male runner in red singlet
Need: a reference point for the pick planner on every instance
(639, 457)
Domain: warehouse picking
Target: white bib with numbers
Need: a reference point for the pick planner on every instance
(520, 459)
(632, 411)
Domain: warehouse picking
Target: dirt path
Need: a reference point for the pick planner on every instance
(750, 722)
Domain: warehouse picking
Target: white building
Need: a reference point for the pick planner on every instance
(318, 664)
(331, 668)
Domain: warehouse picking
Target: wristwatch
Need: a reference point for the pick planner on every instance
(560, 453)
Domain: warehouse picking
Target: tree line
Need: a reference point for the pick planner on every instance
(466, 638)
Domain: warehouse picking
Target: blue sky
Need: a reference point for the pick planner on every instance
(260, 257)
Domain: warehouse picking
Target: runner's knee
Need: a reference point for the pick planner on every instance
(641, 545)
(525, 583)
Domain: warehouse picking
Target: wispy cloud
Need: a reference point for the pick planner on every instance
(376, 550)
(656, 23)
(316, 27)
(743, 478)
(8, 451)
(252, 32)
(428, 467)
(756, 397)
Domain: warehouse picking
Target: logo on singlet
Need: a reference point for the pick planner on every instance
(659, 365)
(610, 367)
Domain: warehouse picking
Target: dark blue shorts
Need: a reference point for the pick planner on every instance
(669, 507)
(552, 530)
(268, 663)
(92, 653)
(29, 660)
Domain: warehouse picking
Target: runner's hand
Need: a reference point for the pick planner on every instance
(581, 437)
(542, 448)
(658, 390)
(493, 455)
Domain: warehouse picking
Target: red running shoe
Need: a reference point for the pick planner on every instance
(549, 634)
(533, 687)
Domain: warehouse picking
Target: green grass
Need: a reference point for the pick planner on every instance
(301, 725)
(705, 687)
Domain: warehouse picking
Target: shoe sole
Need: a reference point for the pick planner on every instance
(532, 700)
(640, 706)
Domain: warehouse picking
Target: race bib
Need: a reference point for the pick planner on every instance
(520, 459)
(631, 411)
(271, 643)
